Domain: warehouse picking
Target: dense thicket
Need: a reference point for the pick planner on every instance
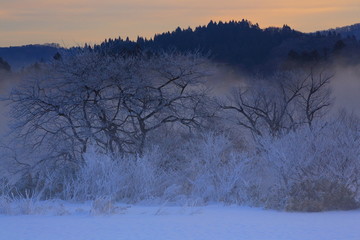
(145, 127)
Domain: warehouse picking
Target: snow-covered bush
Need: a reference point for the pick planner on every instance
(103, 206)
(207, 169)
(313, 170)
(5, 207)
(144, 179)
(215, 170)
(27, 205)
(305, 170)
(97, 177)
(127, 178)
(320, 195)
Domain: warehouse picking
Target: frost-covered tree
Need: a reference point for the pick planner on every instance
(111, 102)
(282, 103)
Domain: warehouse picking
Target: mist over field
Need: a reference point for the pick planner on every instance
(6, 83)
(346, 88)
(345, 84)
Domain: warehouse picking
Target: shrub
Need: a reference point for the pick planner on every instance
(321, 195)
(103, 206)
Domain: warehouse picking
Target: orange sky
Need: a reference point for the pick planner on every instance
(73, 22)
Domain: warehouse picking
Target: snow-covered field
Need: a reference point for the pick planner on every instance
(79, 222)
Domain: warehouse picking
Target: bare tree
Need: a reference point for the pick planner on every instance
(171, 92)
(315, 98)
(113, 102)
(282, 103)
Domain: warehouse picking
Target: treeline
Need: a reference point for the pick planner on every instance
(244, 45)
(237, 43)
(23, 56)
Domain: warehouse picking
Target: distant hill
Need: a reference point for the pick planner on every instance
(347, 31)
(238, 43)
(241, 44)
(21, 56)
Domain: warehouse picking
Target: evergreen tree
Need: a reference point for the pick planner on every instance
(4, 66)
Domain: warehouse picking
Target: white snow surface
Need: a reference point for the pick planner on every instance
(185, 223)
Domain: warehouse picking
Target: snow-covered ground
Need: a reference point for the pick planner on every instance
(78, 222)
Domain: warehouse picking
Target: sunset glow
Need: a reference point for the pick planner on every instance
(73, 23)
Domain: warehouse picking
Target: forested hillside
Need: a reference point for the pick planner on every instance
(244, 45)
(236, 43)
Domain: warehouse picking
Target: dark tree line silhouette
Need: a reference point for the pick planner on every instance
(239, 43)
